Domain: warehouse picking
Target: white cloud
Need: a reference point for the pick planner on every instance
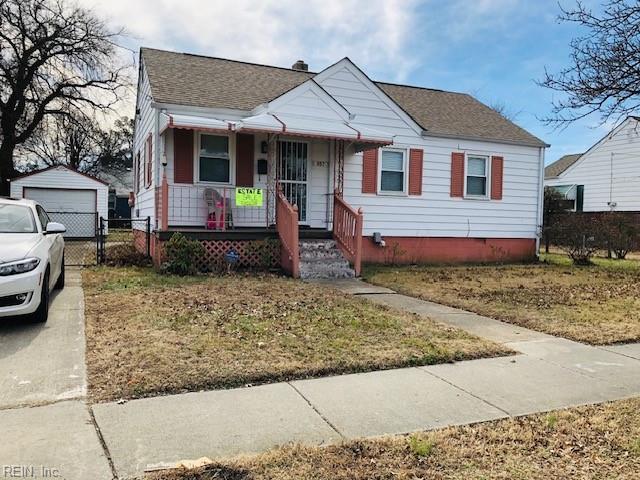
(374, 33)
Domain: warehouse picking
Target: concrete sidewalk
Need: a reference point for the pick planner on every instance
(44, 421)
(549, 373)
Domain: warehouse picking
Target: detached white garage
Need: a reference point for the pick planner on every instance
(74, 199)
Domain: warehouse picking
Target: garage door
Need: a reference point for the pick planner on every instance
(75, 209)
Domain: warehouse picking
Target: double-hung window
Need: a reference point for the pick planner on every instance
(392, 171)
(214, 161)
(476, 182)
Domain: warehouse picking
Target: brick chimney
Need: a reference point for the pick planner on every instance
(301, 66)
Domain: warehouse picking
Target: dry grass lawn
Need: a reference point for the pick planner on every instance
(599, 442)
(149, 334)
(598, 304)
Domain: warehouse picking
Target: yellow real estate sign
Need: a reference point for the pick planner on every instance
(248, 197)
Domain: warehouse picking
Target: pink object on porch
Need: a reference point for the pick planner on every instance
(216, 209)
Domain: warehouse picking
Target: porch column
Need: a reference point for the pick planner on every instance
(338, 167)
(164, 195)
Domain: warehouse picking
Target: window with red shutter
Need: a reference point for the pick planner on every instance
(415, 171)
(370, 171)
(497, 168)
(457, 174)
(149, 160)
(136, 173)
(183, 156)
(245, 147)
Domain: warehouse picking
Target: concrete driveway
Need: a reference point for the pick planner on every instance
(44, 363)
(45, 422)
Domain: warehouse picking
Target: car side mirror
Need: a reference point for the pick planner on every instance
(55, 227)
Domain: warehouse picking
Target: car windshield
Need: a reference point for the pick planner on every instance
(16, 219)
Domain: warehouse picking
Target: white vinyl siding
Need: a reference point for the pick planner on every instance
(610, 172)
(145, 123)
(432, 214)
(435, 213)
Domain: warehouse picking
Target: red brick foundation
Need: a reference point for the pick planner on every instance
(448, 250)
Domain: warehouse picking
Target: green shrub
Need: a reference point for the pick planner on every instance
(420, 446)
(182, 255)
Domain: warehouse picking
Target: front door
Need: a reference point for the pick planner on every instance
(293, 174)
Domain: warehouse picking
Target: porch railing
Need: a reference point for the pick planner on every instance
(347, 230)
(287, 226)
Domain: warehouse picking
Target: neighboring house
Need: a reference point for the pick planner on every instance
(604, 178)
(72, 198)
(439, 176)
(120, 189)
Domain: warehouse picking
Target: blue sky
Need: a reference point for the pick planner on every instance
(493, 49)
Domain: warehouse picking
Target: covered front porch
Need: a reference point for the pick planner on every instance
(284, 181)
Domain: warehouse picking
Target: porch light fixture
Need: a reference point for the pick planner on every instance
(264, 147)
(164, 159)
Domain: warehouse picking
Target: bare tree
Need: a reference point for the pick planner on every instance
(501, 108)
(62, 140)
(80, 145)
(604, 74)
(54, 58)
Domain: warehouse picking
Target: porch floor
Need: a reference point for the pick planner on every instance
(242, 233)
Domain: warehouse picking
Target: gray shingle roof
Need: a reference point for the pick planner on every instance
(556, 168)
(185, 79)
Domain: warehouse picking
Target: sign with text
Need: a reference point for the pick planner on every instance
(248, 197)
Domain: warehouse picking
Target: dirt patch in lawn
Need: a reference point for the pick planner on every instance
(587, 442)
(597, 305)
(149, 334)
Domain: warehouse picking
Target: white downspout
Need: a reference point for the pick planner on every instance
(540, 202)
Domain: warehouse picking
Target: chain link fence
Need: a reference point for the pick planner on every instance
(80, 237)
(122, 239)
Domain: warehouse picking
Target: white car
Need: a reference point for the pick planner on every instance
(31, 259)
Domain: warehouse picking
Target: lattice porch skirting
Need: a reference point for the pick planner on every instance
(254, 254)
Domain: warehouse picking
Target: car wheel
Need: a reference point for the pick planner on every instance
(42, 313)
(60, 282)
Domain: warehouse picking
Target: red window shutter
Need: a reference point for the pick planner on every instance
(370, 171)
(415, 171)
(457, 174)
(136, 171)
(497, 167)
(182, 156)
(149, 161)
(244, 160)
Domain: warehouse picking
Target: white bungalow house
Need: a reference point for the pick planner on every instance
(390, 172)
(604, 178)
